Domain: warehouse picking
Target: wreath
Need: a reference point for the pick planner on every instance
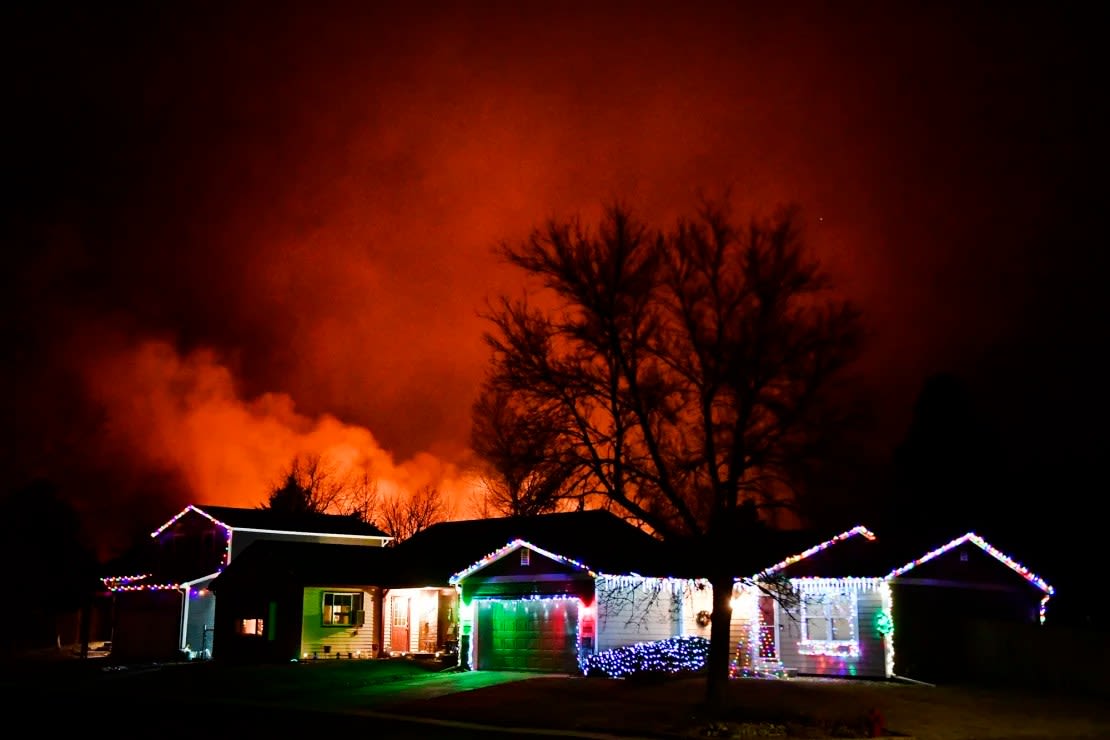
(703, 618)
(884, 625)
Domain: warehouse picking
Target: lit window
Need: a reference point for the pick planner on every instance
(829, 625)
(342, 609)
(525, 556)
(252, 627)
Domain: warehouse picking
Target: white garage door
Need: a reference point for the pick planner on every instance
(528, 635)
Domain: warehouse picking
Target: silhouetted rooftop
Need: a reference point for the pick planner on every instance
(245, 518)
(309, 563)
(598, 539)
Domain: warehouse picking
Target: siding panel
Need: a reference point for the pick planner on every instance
(357, 640)
(871, 661)
(629, 612)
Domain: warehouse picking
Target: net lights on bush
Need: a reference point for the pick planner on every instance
(673, 655)
(994, 552)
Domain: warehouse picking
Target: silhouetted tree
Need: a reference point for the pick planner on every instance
(41, 538)
(402, 515)
(310, 485)
(948, 471)
(696, 369)
(524, 472)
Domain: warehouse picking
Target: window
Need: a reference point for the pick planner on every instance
(342, 609)
(829, 625)
(525, 556)
(252, 627)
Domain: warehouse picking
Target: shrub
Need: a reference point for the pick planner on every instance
(675, 655)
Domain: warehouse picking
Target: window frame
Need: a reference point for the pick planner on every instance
(821, 607)
(259, 624)
(327, 615)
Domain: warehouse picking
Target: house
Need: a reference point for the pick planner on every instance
(947, 596)
(282, 601)
(163, 607)
(543, 593)
(420, 598)
(866, 608)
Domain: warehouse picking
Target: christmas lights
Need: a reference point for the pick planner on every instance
(678, 588)
(673, 655)
(229, 528)
(827, 586)
(110, 581)
(147, 587)
(623, 580)
(887, 606)
(516, 545)
(829, 648)
(857, 530)
(467, 611)
(994, 552)
(182, 513)
(884, 625)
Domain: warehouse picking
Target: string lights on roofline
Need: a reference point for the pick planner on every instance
(148, 587)
(985, 547)
(857, 530)
(123, 580)
(182, 513)
(621, 579)
(510, 547)
(994, 552)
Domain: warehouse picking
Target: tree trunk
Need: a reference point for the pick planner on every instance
(87, 606)
(717, 668)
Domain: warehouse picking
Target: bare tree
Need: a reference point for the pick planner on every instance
(524, 470)
(694, 368)
(403, 516)
(312, 485)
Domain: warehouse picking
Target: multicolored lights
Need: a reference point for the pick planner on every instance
(994, 552)
(182, 513)
(857, 530)
(756, 649)
(516, 545)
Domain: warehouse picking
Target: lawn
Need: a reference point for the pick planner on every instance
(795, 707)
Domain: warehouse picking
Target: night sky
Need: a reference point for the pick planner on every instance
(236, 232)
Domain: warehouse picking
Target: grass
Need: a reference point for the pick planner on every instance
(797, 707)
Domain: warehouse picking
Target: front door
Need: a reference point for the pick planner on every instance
(768, 632)
(399, 624)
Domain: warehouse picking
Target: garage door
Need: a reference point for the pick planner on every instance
(528, 635)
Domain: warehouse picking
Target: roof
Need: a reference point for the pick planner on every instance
(597, 539)
(309, 563)
(860, 553)
(854, 552)
(278, 521)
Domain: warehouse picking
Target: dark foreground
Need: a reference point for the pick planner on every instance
(371, 697)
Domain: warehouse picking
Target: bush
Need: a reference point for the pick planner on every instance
(646, 660)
